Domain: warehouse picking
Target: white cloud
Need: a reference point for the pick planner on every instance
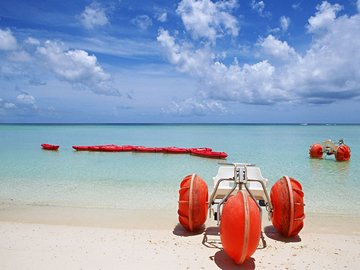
(24, 104)
(206, 19)
(94, 15)
(162, 17)
(193, 106)
(76, 66)
(4, 105)
(280, 50)
(32, 41)
(26, 99)
(7, 40)
(142, 21)
(328, 71)
(325, 15)
(9, 105)
(284, 23)
(259, 7)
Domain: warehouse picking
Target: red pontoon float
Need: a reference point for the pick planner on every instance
(52, 147)
(238, 194)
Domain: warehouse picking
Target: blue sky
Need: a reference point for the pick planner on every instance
(182, 61)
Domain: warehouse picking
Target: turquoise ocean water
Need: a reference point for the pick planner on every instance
(34, 177)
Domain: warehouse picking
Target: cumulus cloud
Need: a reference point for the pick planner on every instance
(7, 40)
(327, 71)
(142, 21)
(325, 15)
(94, 15)
(76, 66)
(279, 50)
(207, 19)
(193, 106)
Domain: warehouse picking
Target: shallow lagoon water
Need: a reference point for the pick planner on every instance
(125, 180)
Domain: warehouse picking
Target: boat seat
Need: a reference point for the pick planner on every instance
(227, 172)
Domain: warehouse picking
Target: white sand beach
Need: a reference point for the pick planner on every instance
(151, 241)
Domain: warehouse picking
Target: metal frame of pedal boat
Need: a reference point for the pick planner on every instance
(240, 178)
(330, 147)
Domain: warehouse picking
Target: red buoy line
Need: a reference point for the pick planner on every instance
(200, 152)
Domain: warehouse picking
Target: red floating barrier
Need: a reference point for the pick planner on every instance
(193, 202)
(343, 153)
(127, 148)
(144, 149)
(208, 154)
(176, 150)
(52, 147)
(240, 227)
(287, 199)
(316, 151)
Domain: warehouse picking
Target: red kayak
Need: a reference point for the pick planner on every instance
(52, 147)
(209, 154)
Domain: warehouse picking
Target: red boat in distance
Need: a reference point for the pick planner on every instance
(52, 147)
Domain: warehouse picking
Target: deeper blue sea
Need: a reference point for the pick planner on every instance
(127, 180)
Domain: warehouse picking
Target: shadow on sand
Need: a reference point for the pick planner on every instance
(181, 231)
(211, 238)
(225, 262)
(272, 233)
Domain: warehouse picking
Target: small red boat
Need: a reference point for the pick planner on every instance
(52, 147)
(209, 154)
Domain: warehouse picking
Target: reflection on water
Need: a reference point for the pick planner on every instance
(330, 167)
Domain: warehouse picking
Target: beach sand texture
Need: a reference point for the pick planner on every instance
(327, 242)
